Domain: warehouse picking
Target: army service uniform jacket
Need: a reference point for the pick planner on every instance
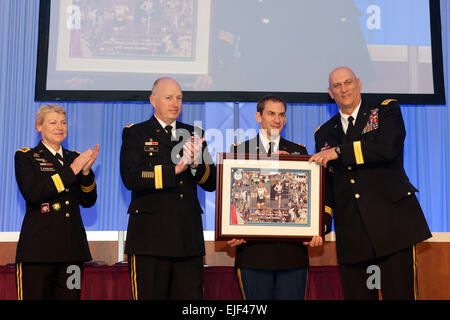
(272, 255)
(52, 229)
(164, 214)
(372, 201)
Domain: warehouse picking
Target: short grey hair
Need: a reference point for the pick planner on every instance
(48, 108)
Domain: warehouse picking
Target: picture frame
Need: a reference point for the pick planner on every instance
(268, 198)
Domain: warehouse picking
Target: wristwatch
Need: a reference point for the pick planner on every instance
(338, 151)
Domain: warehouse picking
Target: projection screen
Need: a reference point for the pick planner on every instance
(238, 50)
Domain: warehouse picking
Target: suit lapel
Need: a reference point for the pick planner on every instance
(160, 133)
(46, 154)
(337, 132)
(283, 146)
(361, 121)
(252, 145)
(68, 157)
(259, 146)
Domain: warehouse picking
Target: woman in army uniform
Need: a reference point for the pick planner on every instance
(54, 183)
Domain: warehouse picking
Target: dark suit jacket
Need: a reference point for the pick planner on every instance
(52, 229)
(270, 255)
(165, 214)
(375, 209)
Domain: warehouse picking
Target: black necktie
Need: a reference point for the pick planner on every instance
(169, 131)
(269, 152)
(58, 156)
(349, 128)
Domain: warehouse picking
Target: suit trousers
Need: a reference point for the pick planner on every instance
(49, 281)
(273, 284)
(393, 277)
(166, 278)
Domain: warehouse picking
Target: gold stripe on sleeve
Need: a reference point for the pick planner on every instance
(58, 183)
(148, 175)
(329, 210)
(206, 175)
(358, 152)
(89, 188)
(158, 177)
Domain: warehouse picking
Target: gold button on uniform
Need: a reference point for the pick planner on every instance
(181, 181)
(357, 196)
(67, 202)
(352, 181)
(137, 211)
(409, 193)
(181, 196)
(67, 215)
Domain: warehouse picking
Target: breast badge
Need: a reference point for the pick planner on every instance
(45, 208)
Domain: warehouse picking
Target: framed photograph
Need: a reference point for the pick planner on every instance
(268, 198)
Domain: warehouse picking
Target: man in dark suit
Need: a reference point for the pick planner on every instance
(378, 219)
(272, 270)
(162, 161)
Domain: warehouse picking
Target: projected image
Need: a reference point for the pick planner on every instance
(99, 45)
(129, 28)
(265, 197)
(228, 47)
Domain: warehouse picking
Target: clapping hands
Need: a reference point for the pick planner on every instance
(85, 161)
(192, 152)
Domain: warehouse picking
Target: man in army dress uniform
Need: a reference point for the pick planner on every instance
(377, 217)
(162, 161)
(272, 270)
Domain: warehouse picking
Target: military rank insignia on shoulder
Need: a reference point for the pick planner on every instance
(387, 101)
(301, 145)
(318, 128)
(24, 149)
(130, 125)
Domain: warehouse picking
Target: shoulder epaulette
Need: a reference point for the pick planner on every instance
(236, 144)
(301, 145)
(24, 149)
(387, 101)
(318, 128)
(77, 152)
(130, 125)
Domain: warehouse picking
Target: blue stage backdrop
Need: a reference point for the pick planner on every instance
(427, 159)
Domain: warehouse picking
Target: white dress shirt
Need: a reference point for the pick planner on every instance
(344, 117)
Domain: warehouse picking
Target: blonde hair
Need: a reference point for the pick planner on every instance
(47, 108)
